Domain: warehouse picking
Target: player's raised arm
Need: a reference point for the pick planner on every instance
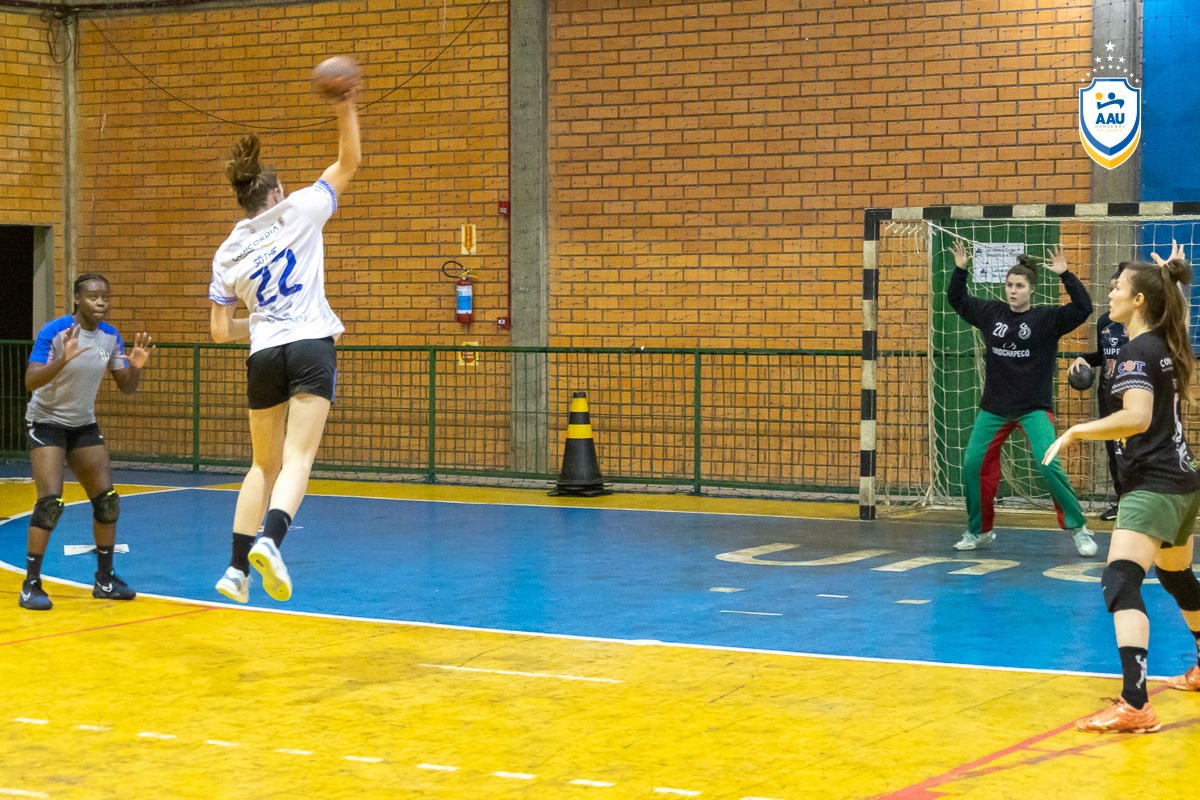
(342, 88)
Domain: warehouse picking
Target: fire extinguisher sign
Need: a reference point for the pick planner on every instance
(467, 239)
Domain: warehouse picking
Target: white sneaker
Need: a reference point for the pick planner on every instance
(235, 585)
(973, 541)
(265, 558)
(1084, 543)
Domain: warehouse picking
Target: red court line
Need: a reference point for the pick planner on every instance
(923, 790)
(106, 627)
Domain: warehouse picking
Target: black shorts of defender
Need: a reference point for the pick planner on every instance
(279, 373)
(45, 434)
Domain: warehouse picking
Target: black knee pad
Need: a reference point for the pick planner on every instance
(1122, 585)
(106, 507)
(46, 512)
(1182, 585)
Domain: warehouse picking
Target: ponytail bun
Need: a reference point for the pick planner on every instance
(1026, 267)
(1026, 260)
(243, 167)
(1178, 271)
(250, 179)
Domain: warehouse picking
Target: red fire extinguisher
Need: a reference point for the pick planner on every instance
(464, 293)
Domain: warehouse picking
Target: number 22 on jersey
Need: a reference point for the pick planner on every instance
(263, 274)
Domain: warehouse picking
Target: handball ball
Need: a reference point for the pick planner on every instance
(336, 76)
(1081, 377)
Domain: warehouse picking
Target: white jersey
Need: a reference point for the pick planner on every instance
(275, 264)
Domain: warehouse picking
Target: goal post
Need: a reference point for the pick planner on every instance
(922, 365)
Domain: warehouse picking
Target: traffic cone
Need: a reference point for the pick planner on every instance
(580, 476)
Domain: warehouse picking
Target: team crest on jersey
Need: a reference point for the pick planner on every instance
(1110, 120)
(1131, 368)
(1024, 331)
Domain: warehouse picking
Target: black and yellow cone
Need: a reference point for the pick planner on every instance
(580, 476)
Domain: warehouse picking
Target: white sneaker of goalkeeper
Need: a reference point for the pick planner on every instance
(1085, 545)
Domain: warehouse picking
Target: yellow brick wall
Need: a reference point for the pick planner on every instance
(30, 127)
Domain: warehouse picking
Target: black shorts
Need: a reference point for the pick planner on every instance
(45, 434)
(278, 373)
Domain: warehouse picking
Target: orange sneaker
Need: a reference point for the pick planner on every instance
(1187, 682)
(1121, 717)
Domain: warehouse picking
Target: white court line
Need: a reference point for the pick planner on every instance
(96, 728)
(438, 767)
(835, 596)
(912, 602)
(725, 589)
(668, 790)
(31, 721)
(521, 674)
(287, 751)
(22, 793)
(221, 743)
(582, 782)
(365, 759)
(153, 735)
(753, 613)
(520, 776)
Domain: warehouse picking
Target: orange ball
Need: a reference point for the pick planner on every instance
(336, 76)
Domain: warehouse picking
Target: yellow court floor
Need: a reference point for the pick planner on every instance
(163, 699)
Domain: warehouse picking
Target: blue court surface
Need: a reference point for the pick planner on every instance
(688, 578)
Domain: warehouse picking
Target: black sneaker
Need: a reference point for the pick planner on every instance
(111, 587)
(1109, 514)
(34, 597)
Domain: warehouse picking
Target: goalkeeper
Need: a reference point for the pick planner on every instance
(1021, 342)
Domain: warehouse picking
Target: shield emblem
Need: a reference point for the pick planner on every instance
(1110, 120)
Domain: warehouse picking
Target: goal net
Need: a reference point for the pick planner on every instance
(923, 365)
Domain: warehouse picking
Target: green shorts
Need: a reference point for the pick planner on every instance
(1168, 517)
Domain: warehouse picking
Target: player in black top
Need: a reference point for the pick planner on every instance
(1110, 338)
(1021, 342)
(1160, 479)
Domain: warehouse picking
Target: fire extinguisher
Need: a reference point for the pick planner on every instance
(464, 293)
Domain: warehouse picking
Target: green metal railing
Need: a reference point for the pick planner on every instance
(758, 420)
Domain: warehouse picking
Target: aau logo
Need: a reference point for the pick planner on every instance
(1110, 120)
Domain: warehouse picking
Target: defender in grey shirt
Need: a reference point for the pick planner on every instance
(68, 362)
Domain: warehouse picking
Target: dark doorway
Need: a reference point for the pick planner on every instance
(16, 328)
(16, 276)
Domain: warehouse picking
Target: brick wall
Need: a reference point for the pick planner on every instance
(30, 127)
(164, 97)
(711, 160)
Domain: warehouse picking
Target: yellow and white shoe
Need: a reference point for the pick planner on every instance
(265, 558)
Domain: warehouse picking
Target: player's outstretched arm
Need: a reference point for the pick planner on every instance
(341, 172)
(224, 328)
